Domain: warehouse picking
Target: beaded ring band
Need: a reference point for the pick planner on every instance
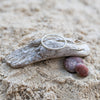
(52, 36)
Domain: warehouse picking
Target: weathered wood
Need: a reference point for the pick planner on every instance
(35, 52)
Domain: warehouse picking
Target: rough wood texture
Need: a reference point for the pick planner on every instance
(35, 52)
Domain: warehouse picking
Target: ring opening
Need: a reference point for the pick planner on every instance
(53, 41)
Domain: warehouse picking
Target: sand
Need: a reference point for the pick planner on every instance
(24, 20)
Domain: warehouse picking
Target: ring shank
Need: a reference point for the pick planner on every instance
(53, 35)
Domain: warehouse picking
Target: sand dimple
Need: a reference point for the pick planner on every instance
(22, 21)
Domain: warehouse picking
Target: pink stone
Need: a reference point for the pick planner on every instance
(81, 70)
(71, 62)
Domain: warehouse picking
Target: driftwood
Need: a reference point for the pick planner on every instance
(35, 52)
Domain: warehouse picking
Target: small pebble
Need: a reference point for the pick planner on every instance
(71, 62)
(81, 70)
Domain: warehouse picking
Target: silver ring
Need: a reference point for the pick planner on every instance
(44, 37)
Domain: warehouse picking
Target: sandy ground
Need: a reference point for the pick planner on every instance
(24, 20)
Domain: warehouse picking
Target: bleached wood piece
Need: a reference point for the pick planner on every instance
(35, 52)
